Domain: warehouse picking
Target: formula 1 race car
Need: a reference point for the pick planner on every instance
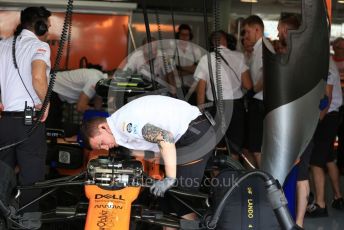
(115, 196)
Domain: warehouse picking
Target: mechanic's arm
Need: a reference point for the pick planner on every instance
(165, 141)
(260, 83)
(328, 93)
(40, 82)
(258, 86)
(1, 108)
(201, 86)
(172, 83)
(98, 102)
(1, 105)
(82, 104)
(246, 80)
(187, 70)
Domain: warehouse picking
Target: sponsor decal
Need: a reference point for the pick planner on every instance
(135, 131)
(250, 212)
(129, 127)
(104, 220)
(108, 196)
(108, 206)
(40, 50)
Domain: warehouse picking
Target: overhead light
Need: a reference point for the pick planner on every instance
(341, 1)
(253, 1)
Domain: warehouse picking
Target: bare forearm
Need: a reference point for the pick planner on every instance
(171, 82)
(41, 87)
(168, 154)
(165, 141)
(201, 86)
(39, 78)
(258, 86)
(187, 70)
(83, 103)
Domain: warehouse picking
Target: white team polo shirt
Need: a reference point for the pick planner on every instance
(164, 112)
(230, 75)
(187, 56)
(69, 84)
(138, 64)
(334, 80)
(256, 66)
(28, 49)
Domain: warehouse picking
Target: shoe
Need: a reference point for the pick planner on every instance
(315, 211)
(338, 203)
(311, 199)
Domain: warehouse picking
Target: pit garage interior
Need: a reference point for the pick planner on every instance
(115, 186)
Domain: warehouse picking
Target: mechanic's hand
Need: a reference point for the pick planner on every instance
(45, 115)
(160, 187)
(324, 102)
(250, 93)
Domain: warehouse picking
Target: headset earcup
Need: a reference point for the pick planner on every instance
(191, 35)
(40, 28)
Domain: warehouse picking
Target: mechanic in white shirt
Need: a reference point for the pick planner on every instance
(234, 76)
(254, 31)
(159, 123)
(323, 156)
(74, 87)
(138, 63)
(186, 56)
(23, 87)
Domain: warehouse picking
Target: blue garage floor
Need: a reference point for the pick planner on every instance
(335, 220)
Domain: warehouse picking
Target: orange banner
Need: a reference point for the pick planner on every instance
(101, 39)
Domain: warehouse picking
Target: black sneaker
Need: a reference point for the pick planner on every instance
(314, 210)
(338, 203)
(311, 199)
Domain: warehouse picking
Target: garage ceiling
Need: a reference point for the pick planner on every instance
(263, 7)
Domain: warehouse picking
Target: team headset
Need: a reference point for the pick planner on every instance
(40, 28)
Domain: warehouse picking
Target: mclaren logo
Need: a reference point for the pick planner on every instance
(108, 197)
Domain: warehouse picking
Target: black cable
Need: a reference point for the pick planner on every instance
(176, 44)
(69, 12)
(17, 68)
(230, 67)
(160, 38)
(274, 194)
(219, 88)
(212, 223)
(69, 37)
(163, 54)
(210, 69)
(149, 43)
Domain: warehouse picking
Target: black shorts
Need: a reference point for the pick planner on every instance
(189, 174)
(236, 129)
(324, 136)
(255, 117)
(303, 173)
